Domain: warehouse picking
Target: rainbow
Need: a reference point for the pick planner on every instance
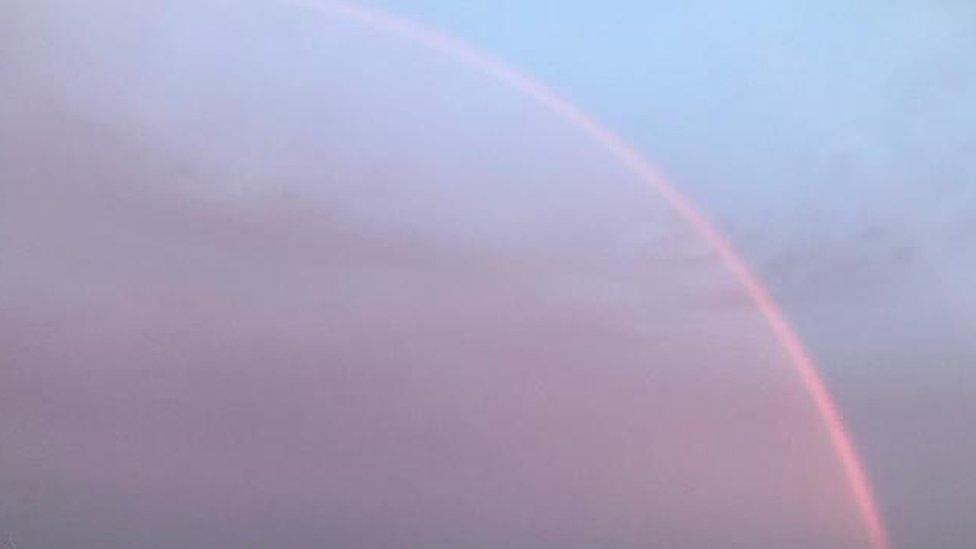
(801, 360)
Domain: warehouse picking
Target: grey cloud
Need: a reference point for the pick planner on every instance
(225, 327)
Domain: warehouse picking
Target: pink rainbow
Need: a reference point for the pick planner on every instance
(628, 155)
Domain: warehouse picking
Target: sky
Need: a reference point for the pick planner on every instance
(273, 278)
(835, 142)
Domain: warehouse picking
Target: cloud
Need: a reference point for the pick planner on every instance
(375, 323)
